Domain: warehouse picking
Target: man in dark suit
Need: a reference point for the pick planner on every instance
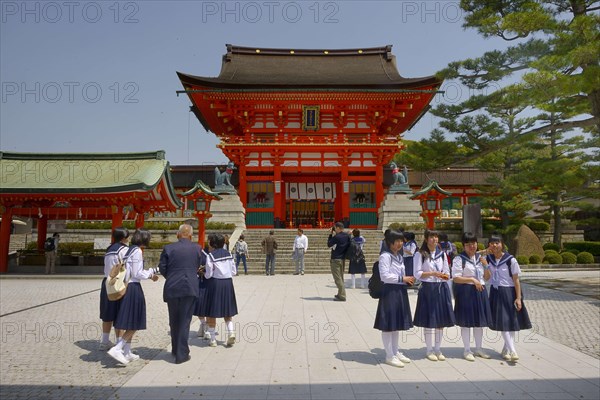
(179, 263)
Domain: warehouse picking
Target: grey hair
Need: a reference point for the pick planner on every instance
(186, 229)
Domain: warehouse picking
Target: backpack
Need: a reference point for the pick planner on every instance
(116, 286)
(375, 283)
(356, 254)
(49, 245)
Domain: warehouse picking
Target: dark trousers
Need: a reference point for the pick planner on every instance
(180, 318)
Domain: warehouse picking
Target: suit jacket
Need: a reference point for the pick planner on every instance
(179, 263)
(269, 245)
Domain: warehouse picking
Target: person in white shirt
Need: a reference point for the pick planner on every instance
(300, 247)
(132, 311)
(220, 293)
(241, 254)
(506, 298)
(393, 309)
(434, 304)
(471, 303)
(109, 309)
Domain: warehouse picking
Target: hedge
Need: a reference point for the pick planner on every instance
(590, 247)
(535, 259)
(585, 258)
(568, 257)
(553, 258)
(551, 246)
(522, 260)
(459, 247)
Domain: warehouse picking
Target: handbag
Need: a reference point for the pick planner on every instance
(116, 286)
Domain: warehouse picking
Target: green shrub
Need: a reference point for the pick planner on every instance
(221, 226)
(546, 252)
(568, 257)
(523, 260)
(537, 225)
(535, 259)
(459, 247)
(590, 247)
(574, 251)
(158, 245)
(553, 258)
(551, 246)
(585, 258)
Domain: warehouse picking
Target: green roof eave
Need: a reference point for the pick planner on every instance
(202, 187)
(431, 185)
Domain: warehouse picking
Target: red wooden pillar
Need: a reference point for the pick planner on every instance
(139, 220)
(242, 187)
(5, 239)
(42, 229)
(278, 186)
(345, 193)
(202, 217)
(117, 217)
(378, 185)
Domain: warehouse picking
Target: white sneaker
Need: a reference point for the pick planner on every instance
(118, 355)
(394, 362)
(514, 356)
(105, 345)
(482, 354)
(440, 356)
(206, 335)
(506, 355)
(231, 339)
(132, 357)
(213, 343)
(468, 356)
(431, 357)
(402, 358)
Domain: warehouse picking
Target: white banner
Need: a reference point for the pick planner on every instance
(311, 191)
(302, 191)
(292, 191)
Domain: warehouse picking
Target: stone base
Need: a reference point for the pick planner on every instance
(398, 207)
(229, 210)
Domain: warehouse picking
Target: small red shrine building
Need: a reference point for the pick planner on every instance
(309, 131)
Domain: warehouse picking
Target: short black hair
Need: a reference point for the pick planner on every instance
(339, 225)
(120, 233)
(469, 237)
(356, 232)
(141, 237)
(391, 236)
(219, 241)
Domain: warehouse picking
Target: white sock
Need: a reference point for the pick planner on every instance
(211, 331)
(105, 337)
(512, 340)
(438, 339)
(352, 279)
(508, 342)
(428, 332)
(478, 333)
(127, 348)
(202, 326)
(466, 338)
(229, 326)
(386, 337)
(395, 337)
(120, 344)
(362, 281)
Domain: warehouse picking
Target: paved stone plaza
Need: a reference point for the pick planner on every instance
(294, 342)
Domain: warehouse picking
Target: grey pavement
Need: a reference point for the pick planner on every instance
(293, 342)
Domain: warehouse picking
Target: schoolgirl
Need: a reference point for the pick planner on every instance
(393, 309)
(220, 294)
(409, 249)
(201, 304)
(132, 311)
(471, 302)
(357, 261)
(506, 298)
(109, 309)
(434, 304)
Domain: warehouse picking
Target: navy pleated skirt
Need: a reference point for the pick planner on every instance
(220, 297)
(132, 312)
(504, 314)
(359, 267)
(434, 306)
(393, 309)
(471, 307)
(408, 266)
(108, 309)
(200, 308)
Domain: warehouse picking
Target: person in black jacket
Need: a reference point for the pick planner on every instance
(179, 263)
(338, 241)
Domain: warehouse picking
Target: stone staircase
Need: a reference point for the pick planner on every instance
(316, 259)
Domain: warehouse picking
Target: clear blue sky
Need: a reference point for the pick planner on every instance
(99, 76)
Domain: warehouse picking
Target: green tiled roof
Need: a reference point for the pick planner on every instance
(432, 184)
(83, 173)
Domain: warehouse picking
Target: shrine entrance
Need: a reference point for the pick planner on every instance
(310, 213)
